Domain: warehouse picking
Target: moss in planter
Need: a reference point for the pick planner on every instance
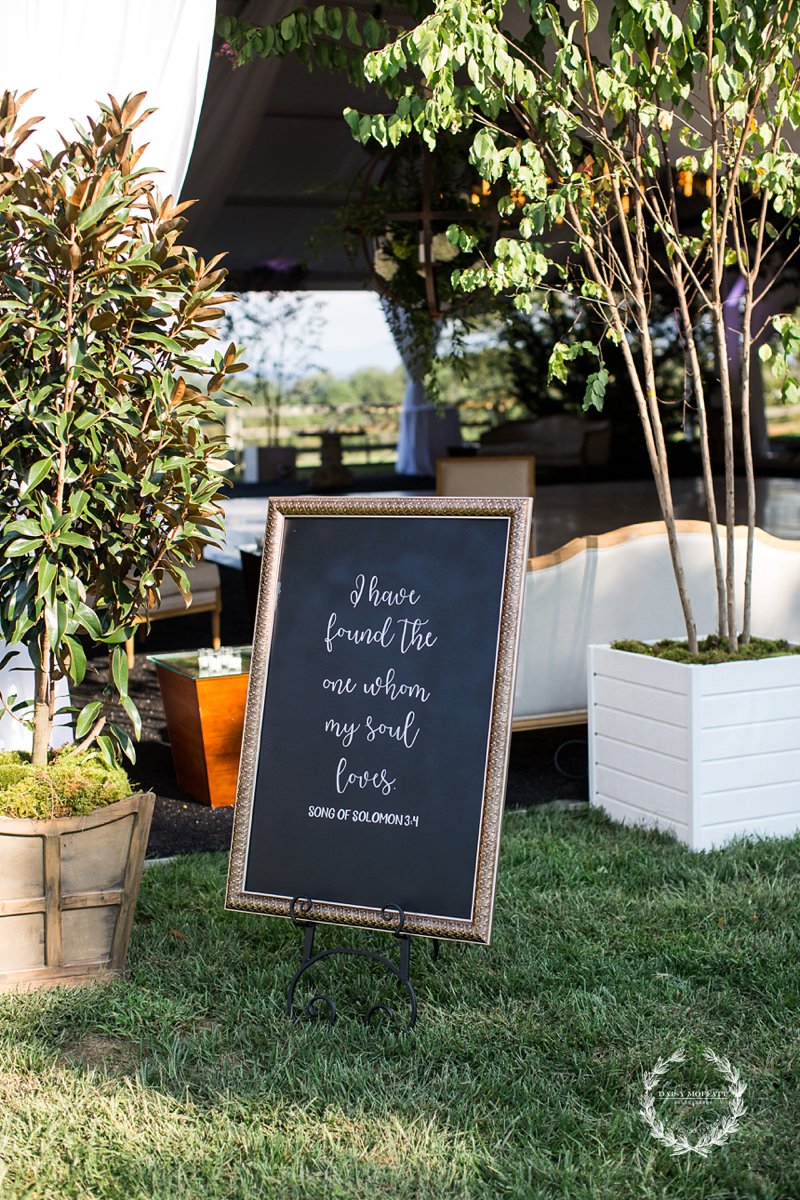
(711, 650)
(72, 785)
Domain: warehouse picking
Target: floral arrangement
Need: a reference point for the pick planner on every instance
(392, 252)
(398, 227)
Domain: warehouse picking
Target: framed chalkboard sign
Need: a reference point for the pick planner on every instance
(378, 716)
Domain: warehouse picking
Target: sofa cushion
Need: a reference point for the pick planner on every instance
(558, 440)
(204, 581)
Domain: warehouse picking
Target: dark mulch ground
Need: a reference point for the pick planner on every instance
(181, 825)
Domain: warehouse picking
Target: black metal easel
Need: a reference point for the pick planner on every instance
(395, 918)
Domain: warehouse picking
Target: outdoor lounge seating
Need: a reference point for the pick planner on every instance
(498, 475)
(559, 441)
(206, 596)
(620, 585)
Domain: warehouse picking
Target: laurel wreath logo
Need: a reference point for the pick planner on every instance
(717, 1136)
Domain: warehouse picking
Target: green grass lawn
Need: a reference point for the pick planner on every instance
(522, 1079)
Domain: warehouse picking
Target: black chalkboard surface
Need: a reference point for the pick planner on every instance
(379, 710)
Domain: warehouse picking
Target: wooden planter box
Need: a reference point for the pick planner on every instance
(68, 890)
(708, 752)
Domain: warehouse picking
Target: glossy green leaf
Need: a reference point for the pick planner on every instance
(36, 474)
(120, 739)
(77, 663)
(21, 546)
(87, 717)
(133, 715)
(119, 670)
(46, 573)
(107, 748)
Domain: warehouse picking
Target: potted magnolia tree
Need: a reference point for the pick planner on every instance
(635, 141)
(108, 483)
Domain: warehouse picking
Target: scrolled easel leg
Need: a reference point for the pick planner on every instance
(322, 1006)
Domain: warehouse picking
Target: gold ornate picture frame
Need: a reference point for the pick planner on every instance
(425, 821)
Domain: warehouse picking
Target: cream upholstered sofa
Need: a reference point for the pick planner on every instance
(620, 585)
(206, 596)
(561, 440)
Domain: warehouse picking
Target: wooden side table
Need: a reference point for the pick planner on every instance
(205, 719)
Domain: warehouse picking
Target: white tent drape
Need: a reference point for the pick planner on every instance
(424, 433)
(76, 54)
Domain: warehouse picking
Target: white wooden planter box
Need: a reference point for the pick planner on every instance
(709, 752)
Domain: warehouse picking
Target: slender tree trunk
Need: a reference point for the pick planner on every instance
(730, 495)
(42, 708)
(661, 473)
(661, 478)
(661, 470)
(717, 231)
(747, 449)
(705, 453)
(647, 406)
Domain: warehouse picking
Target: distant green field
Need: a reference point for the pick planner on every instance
(783, 422)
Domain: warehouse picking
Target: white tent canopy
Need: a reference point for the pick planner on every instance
(273, 161)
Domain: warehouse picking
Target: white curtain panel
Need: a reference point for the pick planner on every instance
(77, 52)
(424, 436)
(424, 433)
(413, 452)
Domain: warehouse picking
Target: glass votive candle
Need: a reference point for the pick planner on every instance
(230, 660)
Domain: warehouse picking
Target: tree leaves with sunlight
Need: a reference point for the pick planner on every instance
(593, 133)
